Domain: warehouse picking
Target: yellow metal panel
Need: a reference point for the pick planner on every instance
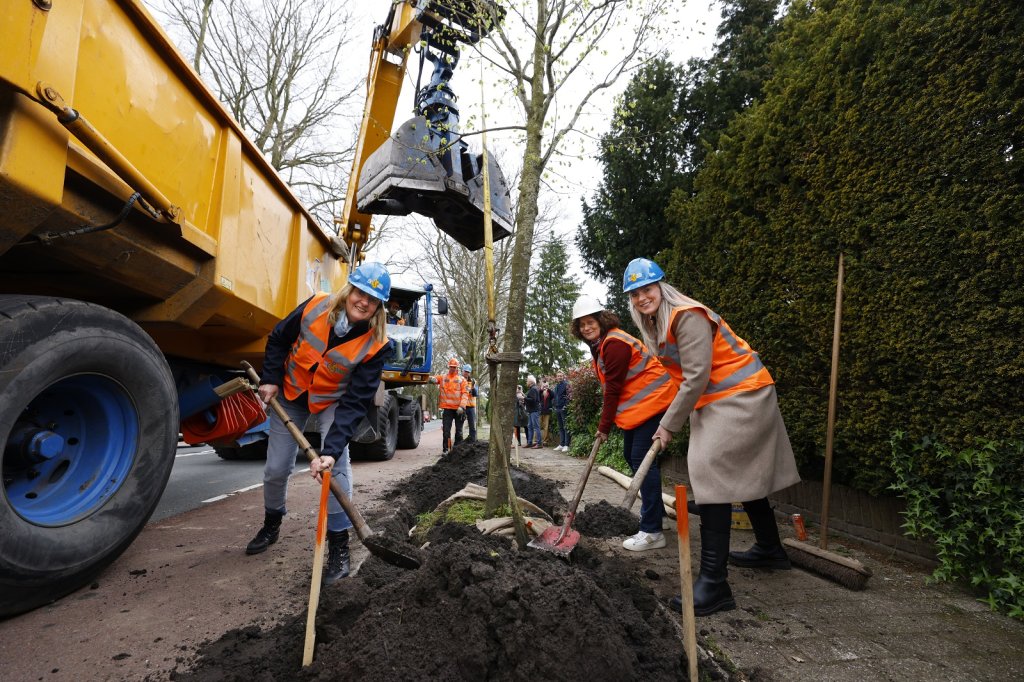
(125, 89)
(33, 146)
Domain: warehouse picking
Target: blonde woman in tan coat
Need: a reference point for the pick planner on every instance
(738, 449)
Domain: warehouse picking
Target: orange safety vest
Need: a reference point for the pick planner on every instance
(648, 388)
(735, 366)
(453, 391)
(470, 398)
(333, 365)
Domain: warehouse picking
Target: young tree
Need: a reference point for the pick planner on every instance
(277, 67)
(543, 49)
(548, 344)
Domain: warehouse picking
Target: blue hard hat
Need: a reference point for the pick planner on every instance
(372, 278)
(467, 367)
(640, 272)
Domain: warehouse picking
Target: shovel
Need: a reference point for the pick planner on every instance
(562, 540)
(378, 545)
(641, 474)
(318, 565)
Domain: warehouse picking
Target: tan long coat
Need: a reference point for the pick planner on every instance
(739, 449)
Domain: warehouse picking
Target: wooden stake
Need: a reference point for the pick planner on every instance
(318, 566)
(686, 581)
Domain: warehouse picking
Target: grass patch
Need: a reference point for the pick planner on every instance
(467, 512)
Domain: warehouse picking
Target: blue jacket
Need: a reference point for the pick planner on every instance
(357, 400)
(561, 395)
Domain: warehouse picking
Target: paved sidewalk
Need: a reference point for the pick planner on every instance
(792, 625)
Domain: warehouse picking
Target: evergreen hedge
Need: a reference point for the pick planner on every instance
(890, 131)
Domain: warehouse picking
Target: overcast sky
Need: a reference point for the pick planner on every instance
(690, 34)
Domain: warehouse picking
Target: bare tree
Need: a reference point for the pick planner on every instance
(277, 67)
(542, 49)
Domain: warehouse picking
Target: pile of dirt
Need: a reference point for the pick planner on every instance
(467, 463)
(478, 608)
(603, 520)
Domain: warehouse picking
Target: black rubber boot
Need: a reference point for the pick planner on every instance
(337, 557)
(711, 592)
(267, 535)
(767, 551)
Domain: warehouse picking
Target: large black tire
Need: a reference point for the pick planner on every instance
(382, 449)
(410, 425)
(96, 380)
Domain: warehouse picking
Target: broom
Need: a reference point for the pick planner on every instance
(843, 570)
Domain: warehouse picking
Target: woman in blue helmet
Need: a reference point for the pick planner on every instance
(326, 359)
(738, 447)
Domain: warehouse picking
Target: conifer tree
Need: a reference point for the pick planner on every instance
(548, 346)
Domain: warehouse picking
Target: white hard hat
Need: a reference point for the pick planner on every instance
(586, 305)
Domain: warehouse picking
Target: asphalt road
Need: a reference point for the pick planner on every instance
(200, 477)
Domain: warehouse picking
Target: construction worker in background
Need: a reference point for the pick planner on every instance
(738, 448)
(467, 374)
(325, 359)
(452, 402)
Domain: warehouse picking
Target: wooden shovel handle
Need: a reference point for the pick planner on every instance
(362, 530)
(641, 474)
(685, 584)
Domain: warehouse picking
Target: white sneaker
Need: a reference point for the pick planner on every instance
(642, 542)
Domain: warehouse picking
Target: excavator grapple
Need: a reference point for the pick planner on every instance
(415, 171)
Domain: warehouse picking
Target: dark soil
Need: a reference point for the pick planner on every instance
(478, 608)
(603, 520)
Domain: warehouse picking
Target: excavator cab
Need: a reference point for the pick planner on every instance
(425, 167)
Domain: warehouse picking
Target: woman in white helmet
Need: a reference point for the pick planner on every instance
(637, 390)
(738, 448)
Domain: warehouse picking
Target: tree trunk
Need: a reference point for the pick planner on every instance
(504, 391)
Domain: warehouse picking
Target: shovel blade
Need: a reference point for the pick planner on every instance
(390, 551)
(548, 541)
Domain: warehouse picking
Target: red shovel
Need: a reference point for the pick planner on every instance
(562, 540)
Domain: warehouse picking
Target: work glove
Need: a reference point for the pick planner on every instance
(461, 412)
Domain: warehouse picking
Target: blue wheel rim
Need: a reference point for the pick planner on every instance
(99, 424)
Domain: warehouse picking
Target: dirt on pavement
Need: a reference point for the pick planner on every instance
(186, 582)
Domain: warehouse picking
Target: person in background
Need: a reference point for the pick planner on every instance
(636, 392)
(522, 420)
(395, 314)
(547, 403)
(467, 374)
(561, 411)
(533, 413)
(738, 446)
(452, 403)
(326, 358)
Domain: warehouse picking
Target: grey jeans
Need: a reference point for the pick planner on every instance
(282, 451)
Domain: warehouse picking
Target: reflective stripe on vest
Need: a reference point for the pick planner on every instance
(735, 366)
(451, 391)
(648, 389)
(334, 366)
(470, 398)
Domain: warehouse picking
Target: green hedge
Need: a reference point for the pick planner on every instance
(968, 501)
(894, 132)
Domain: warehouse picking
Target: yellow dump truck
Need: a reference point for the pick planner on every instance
(146, 245)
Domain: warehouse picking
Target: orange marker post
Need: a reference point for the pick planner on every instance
(686, 581)
(318, 566)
